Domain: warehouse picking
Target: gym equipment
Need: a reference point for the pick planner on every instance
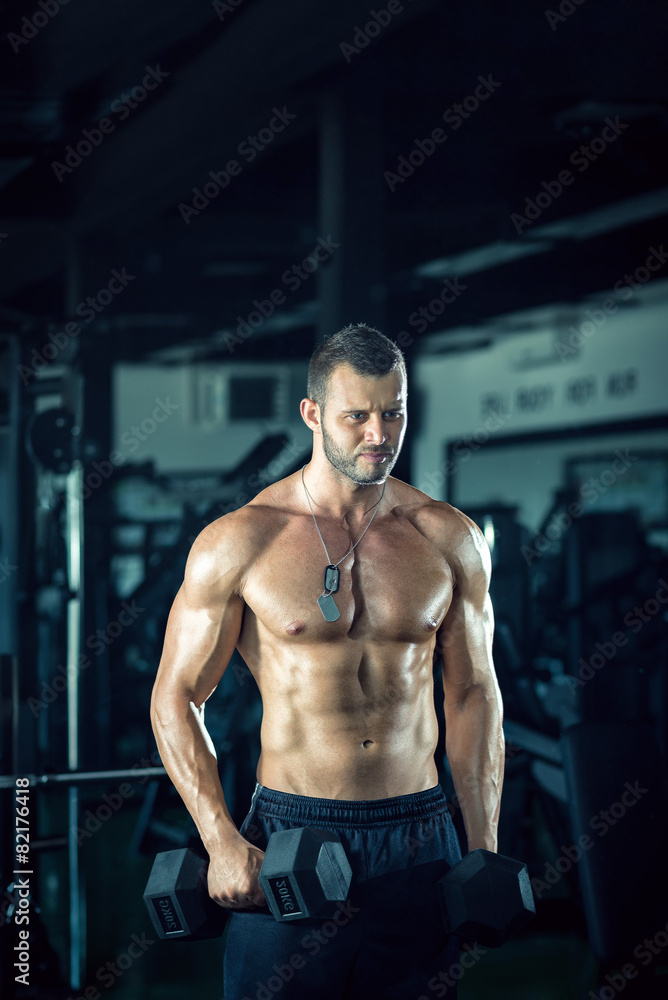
(83, 777)
(486, 897)
(50, 439)
(177, 897)
(305, 873)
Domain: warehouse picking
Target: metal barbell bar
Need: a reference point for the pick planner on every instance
(81, 777)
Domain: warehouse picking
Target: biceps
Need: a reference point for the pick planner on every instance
(198, 645)
(465, 642)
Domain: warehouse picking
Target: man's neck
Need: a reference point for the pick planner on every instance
(337, 496)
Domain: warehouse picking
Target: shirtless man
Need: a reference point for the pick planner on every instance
(349, 728)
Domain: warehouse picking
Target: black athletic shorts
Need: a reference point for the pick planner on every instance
(386, 942)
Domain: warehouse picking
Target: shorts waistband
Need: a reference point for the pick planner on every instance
(310, 811)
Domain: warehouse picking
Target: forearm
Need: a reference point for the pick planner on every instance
(475, 748)
(189, 758)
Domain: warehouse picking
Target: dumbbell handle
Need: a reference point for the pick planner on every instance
(305, 873)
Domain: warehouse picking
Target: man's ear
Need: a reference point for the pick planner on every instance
(310, 411)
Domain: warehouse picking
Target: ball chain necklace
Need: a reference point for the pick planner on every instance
(326, 602)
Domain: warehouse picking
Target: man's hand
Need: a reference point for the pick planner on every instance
(233, 875)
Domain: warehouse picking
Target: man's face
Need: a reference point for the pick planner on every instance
(363, 424)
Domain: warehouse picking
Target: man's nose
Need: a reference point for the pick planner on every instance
(375, 431)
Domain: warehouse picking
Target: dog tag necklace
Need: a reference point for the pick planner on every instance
(326, 602)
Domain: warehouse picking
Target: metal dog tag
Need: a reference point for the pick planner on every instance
(332, 576)
(327, 604)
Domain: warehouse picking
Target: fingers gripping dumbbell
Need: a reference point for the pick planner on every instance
(305, 873)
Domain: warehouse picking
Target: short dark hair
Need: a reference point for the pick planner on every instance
(365, 349)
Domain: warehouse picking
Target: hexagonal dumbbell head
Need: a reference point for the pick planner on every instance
(486, 897)
(305, 873)
(177, 897)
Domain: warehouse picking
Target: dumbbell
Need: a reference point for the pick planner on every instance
(305, 873)
(486, 897)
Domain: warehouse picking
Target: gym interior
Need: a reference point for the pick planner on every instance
(193, 195)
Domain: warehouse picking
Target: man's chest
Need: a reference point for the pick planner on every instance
(395, 586)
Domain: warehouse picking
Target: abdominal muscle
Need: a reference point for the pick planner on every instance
(345, 726)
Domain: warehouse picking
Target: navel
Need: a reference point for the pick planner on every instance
(294, 628)
(367, 743)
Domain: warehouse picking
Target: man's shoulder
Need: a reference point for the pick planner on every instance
(223, 552)
(248, 528)
(453, 532)
(435, 515)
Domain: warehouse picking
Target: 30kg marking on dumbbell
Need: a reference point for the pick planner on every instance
(485, 898)
(167, 916)
(305, 873)
(284, 895)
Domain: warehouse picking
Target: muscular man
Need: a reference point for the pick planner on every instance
(349, 728)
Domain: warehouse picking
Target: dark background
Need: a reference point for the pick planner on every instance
(182, 87)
